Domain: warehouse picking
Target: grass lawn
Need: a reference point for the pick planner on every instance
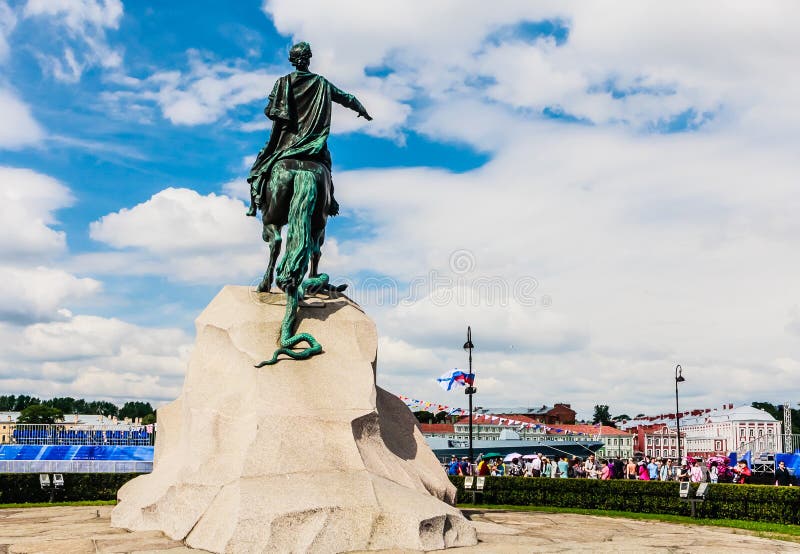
(758, 528)
(48, 504)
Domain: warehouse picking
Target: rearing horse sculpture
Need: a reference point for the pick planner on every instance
(291, 184)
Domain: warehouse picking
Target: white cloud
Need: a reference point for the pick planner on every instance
(180, 234)
(34, 288)
(8, 20)
(47, 350)
(654, 250)
(89, 356)
(207, 91)
(40, 293)
(81, 34)
(28, 201)
(202, 94)
(237, 188)
(19, 126)
(665, 58)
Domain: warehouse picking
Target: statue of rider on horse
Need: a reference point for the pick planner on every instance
(290, 182)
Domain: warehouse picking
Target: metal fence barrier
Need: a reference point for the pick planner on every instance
(112, 434)
(74, 466)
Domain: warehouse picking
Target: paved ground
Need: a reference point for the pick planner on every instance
(86, 529)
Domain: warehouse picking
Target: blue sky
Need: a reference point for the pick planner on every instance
(601, 190)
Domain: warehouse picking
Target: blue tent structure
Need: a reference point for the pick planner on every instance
(445, 448)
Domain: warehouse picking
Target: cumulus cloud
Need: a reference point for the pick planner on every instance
(19, 127)
(28, 202)
(649, 65)
(81, 27)
(34, 288)
(47, 350)
(95, 357)
(41, 293)
(652, 250)
(181, 234)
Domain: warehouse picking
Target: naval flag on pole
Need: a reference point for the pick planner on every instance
(456, 378)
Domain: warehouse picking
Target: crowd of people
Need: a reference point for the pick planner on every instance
(714, 470)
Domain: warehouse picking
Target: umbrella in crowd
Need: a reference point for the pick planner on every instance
(492, 455)
(512, 456)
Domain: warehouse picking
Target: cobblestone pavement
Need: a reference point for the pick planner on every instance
(86, 529)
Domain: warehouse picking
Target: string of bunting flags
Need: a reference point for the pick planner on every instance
(414, 405)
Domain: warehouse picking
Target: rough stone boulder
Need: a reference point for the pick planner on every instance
(305, 456)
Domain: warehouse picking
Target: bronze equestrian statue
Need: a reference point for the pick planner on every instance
(290, 182)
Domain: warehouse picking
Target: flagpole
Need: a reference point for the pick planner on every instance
(468, 346)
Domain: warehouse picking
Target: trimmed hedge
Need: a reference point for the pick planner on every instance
(723, 501)
(24, 487)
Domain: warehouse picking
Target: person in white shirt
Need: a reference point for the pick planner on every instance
(536, 463)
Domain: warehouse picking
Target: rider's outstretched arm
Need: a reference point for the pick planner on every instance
(349, 101)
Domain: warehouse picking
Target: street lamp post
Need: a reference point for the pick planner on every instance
(470, 390)
(678, 379)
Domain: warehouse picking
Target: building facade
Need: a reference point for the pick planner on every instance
(558, 414)
(708, 432)
(517, 427)
(499, 427)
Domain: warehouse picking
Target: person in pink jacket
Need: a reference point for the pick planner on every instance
(696, 475)
(605, 473)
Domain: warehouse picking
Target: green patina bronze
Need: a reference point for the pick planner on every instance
(290, 182)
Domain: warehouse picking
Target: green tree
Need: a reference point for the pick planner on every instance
(602, 415)
(424, 417)
(65, 404)
(771, 409)
(441, 417)
(102, 407)
(149, 418)
(776, 411)
(621, 417)
(39, 413)
(7, 403)
(135, 409)
(23, 401)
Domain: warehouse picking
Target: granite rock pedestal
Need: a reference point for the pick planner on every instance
(303, 456)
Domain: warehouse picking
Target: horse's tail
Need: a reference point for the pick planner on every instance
(295, 260)
(294, 265)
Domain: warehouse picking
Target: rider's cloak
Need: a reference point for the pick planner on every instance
(300, 108)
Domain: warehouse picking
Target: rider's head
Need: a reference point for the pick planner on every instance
(300, 55)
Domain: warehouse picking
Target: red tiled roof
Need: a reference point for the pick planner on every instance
(436, 427)
(486, 421)
(587, 430)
